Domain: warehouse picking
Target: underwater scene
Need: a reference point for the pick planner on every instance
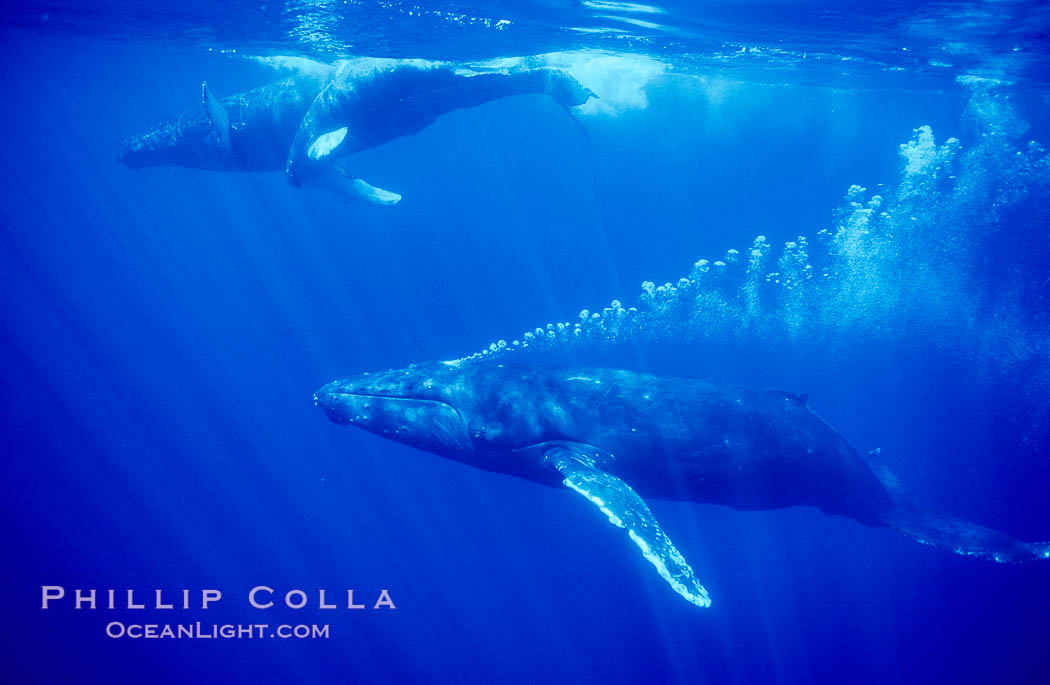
(577, 341)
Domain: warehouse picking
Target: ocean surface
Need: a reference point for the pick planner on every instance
(867, 182)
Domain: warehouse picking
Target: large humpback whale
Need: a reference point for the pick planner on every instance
(302, 125)
(616, 436)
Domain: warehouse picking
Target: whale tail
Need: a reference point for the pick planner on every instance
(952, 534)
(564, 89)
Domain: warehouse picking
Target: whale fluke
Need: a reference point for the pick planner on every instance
(965, 538)
(218, 117)
(950, 533)
(561, 86)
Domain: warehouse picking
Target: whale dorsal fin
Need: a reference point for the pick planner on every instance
(218, 117)
(625, 509)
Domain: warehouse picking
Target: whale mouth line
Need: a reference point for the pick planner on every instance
(396, 398)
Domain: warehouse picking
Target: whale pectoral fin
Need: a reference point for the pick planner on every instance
(324, 144)
(362, 189)
(349, 187)
(625, 509)
(218, 117)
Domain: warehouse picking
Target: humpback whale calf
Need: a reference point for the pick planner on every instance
(616, 436)
(302, 125)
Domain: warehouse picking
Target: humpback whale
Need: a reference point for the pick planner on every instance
(616, 436)
(303, 125)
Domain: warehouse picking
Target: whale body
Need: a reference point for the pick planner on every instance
(616, 436)
(304, 125)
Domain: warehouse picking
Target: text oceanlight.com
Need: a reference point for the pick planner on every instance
(227, 631)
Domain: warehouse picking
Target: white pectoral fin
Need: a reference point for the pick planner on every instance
(364, 190)
(625, 509)
(324, 144)
(347, 186)
(218, 117)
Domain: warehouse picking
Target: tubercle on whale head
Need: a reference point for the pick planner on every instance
(141, 151)
(188, 141)
(158, 147)
(127, 156)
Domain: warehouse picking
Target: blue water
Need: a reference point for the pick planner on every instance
(163, 331)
